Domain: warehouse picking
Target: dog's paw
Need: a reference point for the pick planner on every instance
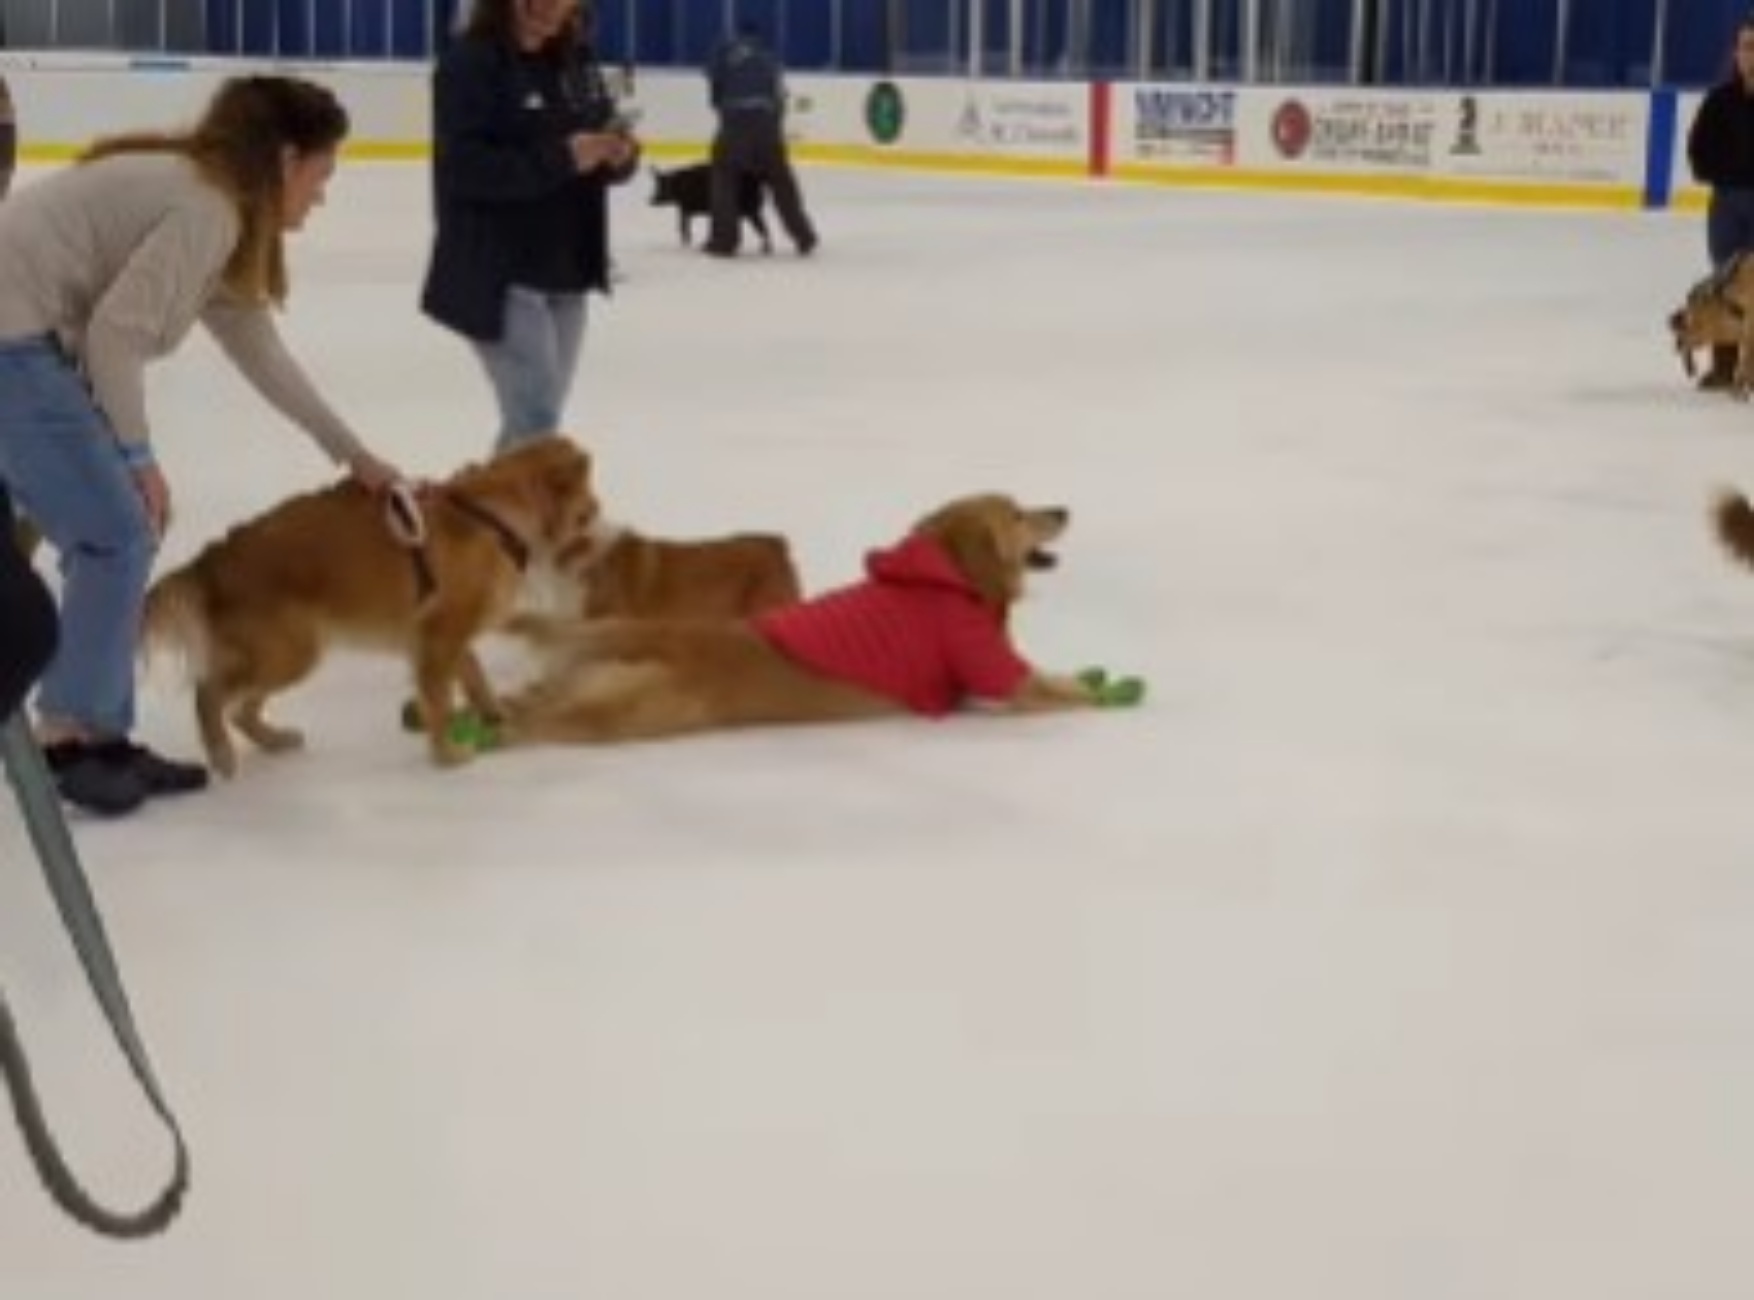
(280, 740)
(447, 753)
(1112, 692)
(474, 732)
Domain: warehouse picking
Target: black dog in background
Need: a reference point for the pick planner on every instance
(27, 613)
(690, 191)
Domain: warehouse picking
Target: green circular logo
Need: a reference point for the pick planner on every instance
(885, 112)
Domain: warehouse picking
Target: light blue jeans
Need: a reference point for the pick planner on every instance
(531, 364)
(60, 459)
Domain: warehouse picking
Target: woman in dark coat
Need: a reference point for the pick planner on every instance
(526, 144)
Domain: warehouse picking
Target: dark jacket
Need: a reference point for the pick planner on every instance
(1720, 144)
(508, 204)
(744, 76)
(27, 612)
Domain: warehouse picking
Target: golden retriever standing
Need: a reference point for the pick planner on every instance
(925, 633)
(254, 611)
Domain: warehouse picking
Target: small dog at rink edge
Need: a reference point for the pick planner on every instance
(690, 191)
(927, 632)
(1717, 317)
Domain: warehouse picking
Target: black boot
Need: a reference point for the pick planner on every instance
(89, 780)
(1722, 374)
(156, 774)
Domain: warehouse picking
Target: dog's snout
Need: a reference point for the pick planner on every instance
(1677, 321)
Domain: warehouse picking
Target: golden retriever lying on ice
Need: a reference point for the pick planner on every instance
(924, 633)
(626, 574)
(253, 612)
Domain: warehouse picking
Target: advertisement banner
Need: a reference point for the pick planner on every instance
(932, 117)
(1385, 132)
(1156, 126)
(1545, 137)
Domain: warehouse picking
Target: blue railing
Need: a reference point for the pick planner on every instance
(1584, 43)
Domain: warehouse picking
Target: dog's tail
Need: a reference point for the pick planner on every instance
(1734, 518)
(176, 621)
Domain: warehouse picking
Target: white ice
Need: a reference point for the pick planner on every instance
(1399, 949)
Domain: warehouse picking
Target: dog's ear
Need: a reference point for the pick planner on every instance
(970, 536)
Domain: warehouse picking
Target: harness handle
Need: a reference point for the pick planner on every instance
(402, 512)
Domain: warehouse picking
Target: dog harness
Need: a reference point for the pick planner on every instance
(409, 525)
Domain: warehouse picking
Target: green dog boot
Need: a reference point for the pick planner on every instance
(470, 730)
(1123, 693)
(1113, 692)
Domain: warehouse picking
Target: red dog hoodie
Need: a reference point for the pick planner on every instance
(916, 630)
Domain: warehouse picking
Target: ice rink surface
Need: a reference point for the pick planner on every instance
(1399, 950)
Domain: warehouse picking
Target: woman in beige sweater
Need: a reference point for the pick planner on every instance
(105, 266)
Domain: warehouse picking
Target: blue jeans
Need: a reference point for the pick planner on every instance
(1729, 224)
(61, 461)
(531, 364)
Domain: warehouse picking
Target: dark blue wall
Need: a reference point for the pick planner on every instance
(1607, 43)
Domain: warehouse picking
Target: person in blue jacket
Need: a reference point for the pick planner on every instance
(526, 143)
(747, 87)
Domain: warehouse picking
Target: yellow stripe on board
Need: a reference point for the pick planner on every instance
(48, 153)
(1443, 189)
(855, 155)
(850, 155)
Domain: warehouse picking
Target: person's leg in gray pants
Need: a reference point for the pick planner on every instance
(754, 144)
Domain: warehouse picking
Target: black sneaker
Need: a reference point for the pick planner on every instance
(87, 779)
(156, 774)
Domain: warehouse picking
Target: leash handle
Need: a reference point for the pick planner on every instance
(40, 804)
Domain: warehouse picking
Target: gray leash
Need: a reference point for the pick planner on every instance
(41, 806)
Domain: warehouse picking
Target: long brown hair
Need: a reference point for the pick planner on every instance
(239, 146)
